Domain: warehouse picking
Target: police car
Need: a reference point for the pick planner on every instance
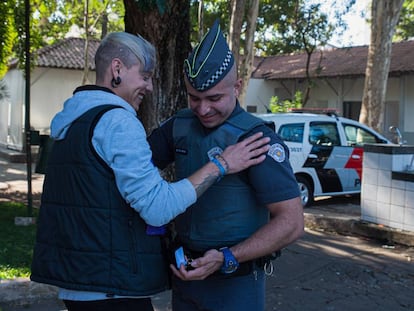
(325, 151)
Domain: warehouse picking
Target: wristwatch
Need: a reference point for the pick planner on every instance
(230, 263)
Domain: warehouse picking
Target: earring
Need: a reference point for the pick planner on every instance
(116, 81)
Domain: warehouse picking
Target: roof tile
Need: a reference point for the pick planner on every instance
(350, 61)
(67, 54)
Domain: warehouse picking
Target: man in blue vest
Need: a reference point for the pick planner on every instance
(235, 226)
(101, 190)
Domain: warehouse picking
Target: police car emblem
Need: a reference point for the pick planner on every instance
(277, 152)
(213, 152)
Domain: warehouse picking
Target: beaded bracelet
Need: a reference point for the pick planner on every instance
(219, 156)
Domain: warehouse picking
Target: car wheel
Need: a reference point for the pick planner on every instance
(306, 191)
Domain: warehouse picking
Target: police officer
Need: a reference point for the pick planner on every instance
(242, 219)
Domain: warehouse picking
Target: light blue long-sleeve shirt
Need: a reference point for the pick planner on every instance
(119, 139)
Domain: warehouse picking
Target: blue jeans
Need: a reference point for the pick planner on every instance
(215, 294)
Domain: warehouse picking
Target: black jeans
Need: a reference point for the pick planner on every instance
(118, 304)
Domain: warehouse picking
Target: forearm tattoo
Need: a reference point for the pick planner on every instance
(205, 184)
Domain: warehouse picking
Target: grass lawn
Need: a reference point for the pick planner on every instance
(16, 242)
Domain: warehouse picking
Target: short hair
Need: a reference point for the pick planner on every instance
(129, 48)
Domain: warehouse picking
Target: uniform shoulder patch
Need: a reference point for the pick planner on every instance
(277, 152)
(213, 152)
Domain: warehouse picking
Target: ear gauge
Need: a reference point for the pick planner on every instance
(115, 82)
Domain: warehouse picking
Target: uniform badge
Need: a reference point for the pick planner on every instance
(277, 152)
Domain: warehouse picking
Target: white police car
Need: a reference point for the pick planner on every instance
(325, 151)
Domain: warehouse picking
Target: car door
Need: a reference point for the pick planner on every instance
(330, 158)
(292, 134)
(356, 136)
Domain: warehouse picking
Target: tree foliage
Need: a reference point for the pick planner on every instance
(282, 26)
(311, 29)
(50, 21)
(405, 26)
(277, 106)
(7, 33)
(277, 22)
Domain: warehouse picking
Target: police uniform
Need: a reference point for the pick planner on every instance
(235, 207)
(263, 177)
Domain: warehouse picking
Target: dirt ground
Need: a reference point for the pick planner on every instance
(14, 185)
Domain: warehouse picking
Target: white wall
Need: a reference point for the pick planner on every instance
(4, 118)
(12, 111)
(50, 88)
(260, 91)
(409, 104)
(258, 94)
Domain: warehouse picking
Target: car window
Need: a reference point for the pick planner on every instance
(292, 132)
(358, 136)
(324, 134)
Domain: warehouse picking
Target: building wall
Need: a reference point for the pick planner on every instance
(334, 92)
(12, 111)
(50, 88)
(258, 94)
(407, 113)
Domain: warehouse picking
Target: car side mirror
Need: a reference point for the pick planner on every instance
(395, 130)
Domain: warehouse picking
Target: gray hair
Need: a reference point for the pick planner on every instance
(128, 48)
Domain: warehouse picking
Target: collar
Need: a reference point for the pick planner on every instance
(92, 87)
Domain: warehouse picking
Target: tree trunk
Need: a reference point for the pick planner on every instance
(200, 19)
(86, 47)
(384, 17)
(169, 31)
(104, 30)
(236, 22)
(246, 65)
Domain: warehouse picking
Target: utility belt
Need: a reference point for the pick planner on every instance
(244, 268)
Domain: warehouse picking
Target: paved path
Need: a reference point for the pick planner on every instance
(14, 182)
(323, 271)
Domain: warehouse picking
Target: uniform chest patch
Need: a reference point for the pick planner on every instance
(277, 152)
